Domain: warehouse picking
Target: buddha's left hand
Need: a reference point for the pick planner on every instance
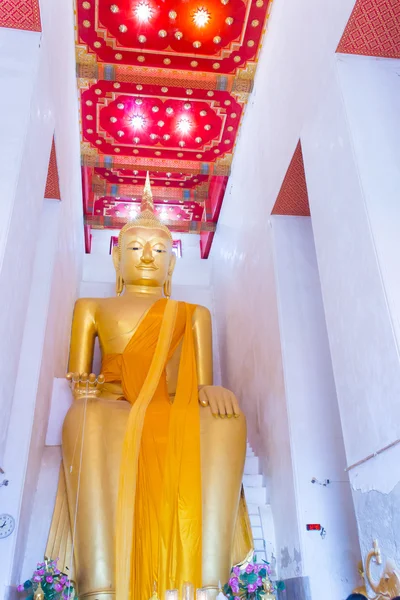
(223, 402)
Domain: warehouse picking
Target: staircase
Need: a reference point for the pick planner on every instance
(259, 511)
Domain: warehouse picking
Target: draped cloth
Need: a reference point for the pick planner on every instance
(159, 510)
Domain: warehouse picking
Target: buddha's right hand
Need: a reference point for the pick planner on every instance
(84, 385)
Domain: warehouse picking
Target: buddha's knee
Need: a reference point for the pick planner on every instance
(218, 429)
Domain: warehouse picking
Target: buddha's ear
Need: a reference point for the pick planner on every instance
(115, 257)
(172, 263)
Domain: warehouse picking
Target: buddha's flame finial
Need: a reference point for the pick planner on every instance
(147, 198)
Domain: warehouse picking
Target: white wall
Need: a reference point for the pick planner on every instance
(316, 439)
(295, 66)
(42, 258)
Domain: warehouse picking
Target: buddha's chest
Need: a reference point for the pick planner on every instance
(117, 321)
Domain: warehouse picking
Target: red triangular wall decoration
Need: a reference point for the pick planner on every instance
(20, 14)
(52, 183)
(373, 29)
(293, 197)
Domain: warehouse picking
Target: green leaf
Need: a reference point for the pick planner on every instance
(252, 577)
(280, 586)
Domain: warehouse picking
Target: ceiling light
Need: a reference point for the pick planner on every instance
(201, 17)
(138, 122)
(184, 126)
(143, 12)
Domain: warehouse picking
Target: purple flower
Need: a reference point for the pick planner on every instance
(58, 587)
(49, 579)
(259, 581)
(234, 581)
(63, 579)
(56, 571)
(251, 587)
(37, 578)
(256, 568)
(249, 569)
(40, 572)
(20, 588)
(236, 571)
(235, 589)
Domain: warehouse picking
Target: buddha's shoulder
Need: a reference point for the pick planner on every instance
(201, 313)
(92, 305)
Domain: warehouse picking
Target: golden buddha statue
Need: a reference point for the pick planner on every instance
(150, 489)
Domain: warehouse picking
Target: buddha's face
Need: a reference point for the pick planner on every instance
(146, 256)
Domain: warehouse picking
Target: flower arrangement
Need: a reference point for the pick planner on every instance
(251, 581)
(48, 583)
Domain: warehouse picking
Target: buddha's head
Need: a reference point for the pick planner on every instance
(144, 254)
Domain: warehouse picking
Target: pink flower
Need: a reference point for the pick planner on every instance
(235, 589)
(234, 581)
(63, 579)
(40, 572)
(249, 569)
(58, 587)
(20, 588)
(56, 571)
(37, 578)
(236, 571)
(49, 579)
(251, 587)
(256, 568)
(259, 581)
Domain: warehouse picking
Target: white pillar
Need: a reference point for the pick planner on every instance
(26, 125)
(315, 431)
(24, 401)
(351, 154)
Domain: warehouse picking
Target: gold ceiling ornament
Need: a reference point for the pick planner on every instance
(83, 57)
(89, 155)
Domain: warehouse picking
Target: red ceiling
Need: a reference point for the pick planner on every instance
(52, 184)
(373, 29)
(163, 87)
(293, 197)
(20, 14)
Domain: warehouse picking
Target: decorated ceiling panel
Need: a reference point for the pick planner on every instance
(163, 86)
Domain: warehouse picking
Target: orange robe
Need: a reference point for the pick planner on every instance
(159, 516)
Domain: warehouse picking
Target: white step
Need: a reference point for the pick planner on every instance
(259, 545)
(255, 520)
(260, 556)
(252, 508)
(255, 495)
(267, 524)
(251, 466)
(252, 480)
(257, 532)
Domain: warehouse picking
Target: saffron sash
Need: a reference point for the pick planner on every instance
(159, 512)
